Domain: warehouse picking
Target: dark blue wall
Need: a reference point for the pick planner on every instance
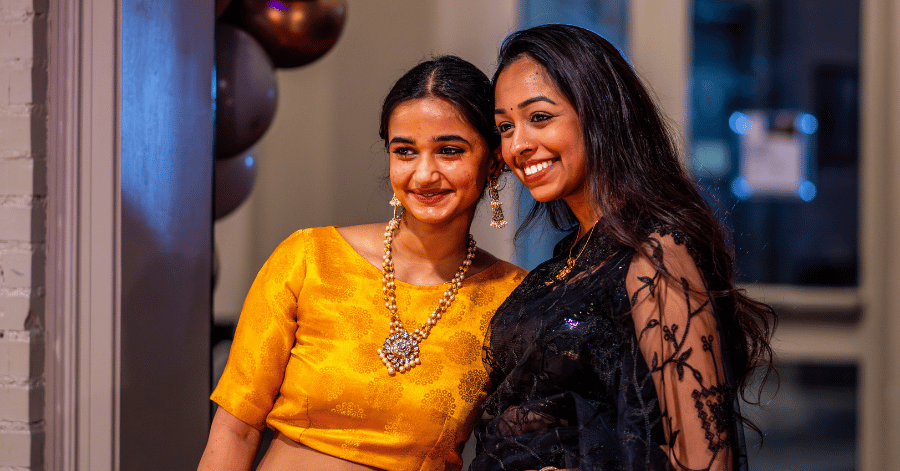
(166, 183)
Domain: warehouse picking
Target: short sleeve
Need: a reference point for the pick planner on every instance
(676, 327)
(265, 335)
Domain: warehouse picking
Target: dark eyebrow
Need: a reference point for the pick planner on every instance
(528, 102)
(401, 140)
(449, 137)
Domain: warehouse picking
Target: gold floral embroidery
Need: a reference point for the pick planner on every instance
(272, 354)
(455, 315)
(482, 295)
(382, 392)
(349, 409)
(241, 372)
(399, 429)
(359, 321)
(486, 320)
(320, 352)
(351, 388)
(407, 315)
(464, 348)
(445, 446)
(472, 384)
(339, 288)
(364, 358)
(439, 405)
(426, 373)
(257, 323)
(332, 381)
(281, 302)
(351, 447)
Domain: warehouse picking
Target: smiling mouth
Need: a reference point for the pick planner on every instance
(430, 196)
(535, 168)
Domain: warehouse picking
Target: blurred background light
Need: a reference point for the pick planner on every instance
(739, 123)
(806, 123)
(806, 191)
(741, 188)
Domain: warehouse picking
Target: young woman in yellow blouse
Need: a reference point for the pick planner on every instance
(361, 346)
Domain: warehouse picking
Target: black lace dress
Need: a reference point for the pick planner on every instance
(615, 366)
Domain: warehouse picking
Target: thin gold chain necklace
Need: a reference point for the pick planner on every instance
(570, 262)
(400, 351)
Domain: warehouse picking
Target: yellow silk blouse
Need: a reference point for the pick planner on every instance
(304, 359)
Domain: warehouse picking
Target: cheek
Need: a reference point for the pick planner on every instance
(397, 176)
(506, 155)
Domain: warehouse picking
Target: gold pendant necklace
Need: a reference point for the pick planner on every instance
(570, 262)
(400, 351)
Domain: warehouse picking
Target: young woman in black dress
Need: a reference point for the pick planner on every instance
(628, 349)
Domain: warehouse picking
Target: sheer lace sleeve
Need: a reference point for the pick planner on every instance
(676, 327)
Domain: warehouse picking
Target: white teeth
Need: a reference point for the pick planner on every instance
(532, 169)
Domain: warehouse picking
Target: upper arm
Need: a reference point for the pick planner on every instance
(264, 337)
(677, 331)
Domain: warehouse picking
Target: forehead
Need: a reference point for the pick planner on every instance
(429, 114)
(523, 79)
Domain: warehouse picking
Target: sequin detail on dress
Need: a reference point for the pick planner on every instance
(578, 384)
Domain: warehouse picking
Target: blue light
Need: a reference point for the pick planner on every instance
(741, 188)
(806, 191)
(248, 161)
(806, 123)
(739, 123)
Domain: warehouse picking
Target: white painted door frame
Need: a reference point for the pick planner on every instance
(83, 237)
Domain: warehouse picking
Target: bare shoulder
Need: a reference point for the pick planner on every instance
(366, 239)
(483, 261)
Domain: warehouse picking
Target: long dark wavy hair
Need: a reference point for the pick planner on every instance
(635, 175)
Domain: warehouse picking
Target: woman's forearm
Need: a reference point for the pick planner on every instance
(232, 444)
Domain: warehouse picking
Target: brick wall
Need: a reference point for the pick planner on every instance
(23, 190)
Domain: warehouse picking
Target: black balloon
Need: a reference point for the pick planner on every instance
(246, 91)
(221, 6)
(294, 32)
(234, 181)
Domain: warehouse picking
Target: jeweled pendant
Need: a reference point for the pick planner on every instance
(400, 352)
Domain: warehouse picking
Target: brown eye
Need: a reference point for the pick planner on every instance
(403, 151)
(450, 150)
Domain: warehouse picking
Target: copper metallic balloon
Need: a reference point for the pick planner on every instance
(294, 32)
(234, 179)
(246, 91)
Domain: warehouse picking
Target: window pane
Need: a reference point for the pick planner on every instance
(810, 423)
(775, 114)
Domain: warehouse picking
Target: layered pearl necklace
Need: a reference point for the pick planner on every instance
(401, 348)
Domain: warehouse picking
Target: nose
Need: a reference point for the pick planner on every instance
(521, 146)
(426, 172)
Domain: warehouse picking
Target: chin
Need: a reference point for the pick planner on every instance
(542, 196)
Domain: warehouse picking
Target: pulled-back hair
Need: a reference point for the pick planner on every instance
(450, 78)
(634, 175)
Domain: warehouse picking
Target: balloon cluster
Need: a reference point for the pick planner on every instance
(253, 38)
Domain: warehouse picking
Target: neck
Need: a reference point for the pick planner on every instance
(427, 253)
(585, 211)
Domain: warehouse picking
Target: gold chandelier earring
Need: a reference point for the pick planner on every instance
(398, 207)
(497, 219)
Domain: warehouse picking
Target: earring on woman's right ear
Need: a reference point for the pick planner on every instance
(398, 207)
(497, 219)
